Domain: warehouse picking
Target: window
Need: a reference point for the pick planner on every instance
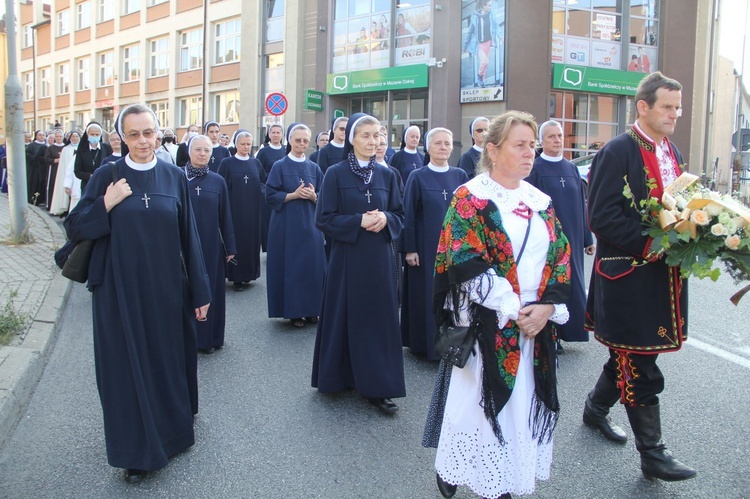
(28, 86)
(587, 33)
(131, 63)
(28, 36)
(275, 22)
(160, 57)
(191, 111)
(131, 6)
(45, 123)
(44, 83)
(191, 49)
(106, 69)
(83, 15)
(106, 10)
(589, 121)
(63, 22)
(643, 49)
(84, 73)
(227, 107)
(151, 3)
(161, 109)
(275, 72)
(28, 126)
(83, 118)
(63, 78)
(63, 119)
(228, 38)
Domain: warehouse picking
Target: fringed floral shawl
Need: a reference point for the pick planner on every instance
(473, 241)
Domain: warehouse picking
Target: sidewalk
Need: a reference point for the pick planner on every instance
(42, 291)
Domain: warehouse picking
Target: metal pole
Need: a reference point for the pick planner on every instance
(19, 230)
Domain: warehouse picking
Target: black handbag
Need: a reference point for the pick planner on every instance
(74, 256)
(455, 343)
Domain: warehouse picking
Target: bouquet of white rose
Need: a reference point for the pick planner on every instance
(694, 226)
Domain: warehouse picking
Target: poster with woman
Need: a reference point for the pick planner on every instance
(483, 50)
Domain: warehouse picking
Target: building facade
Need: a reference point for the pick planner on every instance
(426, 63)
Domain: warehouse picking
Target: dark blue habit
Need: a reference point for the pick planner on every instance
(329, 155)
(213, 217)
(428, 196)
(358, 343)
(244, 180)
(218, 153)
(469, 161)
(560, 181)
(267, 156)
(143, 311)
(406, 162)
(296, 264)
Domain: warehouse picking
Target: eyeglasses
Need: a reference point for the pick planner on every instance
(302, 141)
(147, 134)
(479, 130)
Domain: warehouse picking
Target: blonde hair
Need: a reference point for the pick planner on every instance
(498, 132)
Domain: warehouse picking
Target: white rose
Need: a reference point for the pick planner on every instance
(681, 202)
(718, 230)
(700, 217)
(724, 217)
(714, 209)
(733, 242)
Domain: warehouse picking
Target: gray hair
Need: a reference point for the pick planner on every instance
(428, 138)
(546, 125)
(195, 139)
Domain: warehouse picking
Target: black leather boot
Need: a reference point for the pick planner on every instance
(596, 410)
(656, 460)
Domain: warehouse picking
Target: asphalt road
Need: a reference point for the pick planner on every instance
(264, 432)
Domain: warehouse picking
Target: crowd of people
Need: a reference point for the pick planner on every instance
(496, 244)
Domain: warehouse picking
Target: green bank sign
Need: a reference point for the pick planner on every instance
(599, 80)
(377, 80)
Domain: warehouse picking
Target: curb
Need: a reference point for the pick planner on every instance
(22, 366)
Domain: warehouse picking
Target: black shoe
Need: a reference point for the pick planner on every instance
(604, 424)
(656, 460)
(312, 320)
(207, 351)
(238, 286)
(596, 409)
(135, 476)
(386, 406)
(298, 322)
(560, 351)
(446, 489)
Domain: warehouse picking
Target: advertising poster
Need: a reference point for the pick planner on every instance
(558, 49)
(605, 55)
(577, 51)
(483, 50)
(642, 59)
(413, 34)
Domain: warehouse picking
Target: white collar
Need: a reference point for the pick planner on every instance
(553, 159)
(40, 142)
(382, 163)
(507, 200)
(139, 166)
(363, 163)
(59, 145)
(94, 147)
(438, 169)
(118, 153)
(275, 147)
(295, 158)
(336, 144)
(243, 158)
(410, 151)
(216, 145)
(477, 148)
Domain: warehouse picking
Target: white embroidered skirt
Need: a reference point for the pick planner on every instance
(468, 452)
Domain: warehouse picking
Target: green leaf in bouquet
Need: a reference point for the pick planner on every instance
(698, 251)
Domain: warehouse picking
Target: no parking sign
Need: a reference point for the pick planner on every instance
(276, 104)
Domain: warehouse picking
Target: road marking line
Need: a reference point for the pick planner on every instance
(736, 359)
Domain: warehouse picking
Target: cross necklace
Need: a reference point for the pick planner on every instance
(145, 197)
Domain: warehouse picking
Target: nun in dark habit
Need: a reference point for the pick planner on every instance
(270, 153)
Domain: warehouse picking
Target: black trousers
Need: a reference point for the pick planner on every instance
(637, 376)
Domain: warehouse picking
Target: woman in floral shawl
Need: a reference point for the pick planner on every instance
(503, 266)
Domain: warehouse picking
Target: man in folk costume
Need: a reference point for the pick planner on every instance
(637, 304)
